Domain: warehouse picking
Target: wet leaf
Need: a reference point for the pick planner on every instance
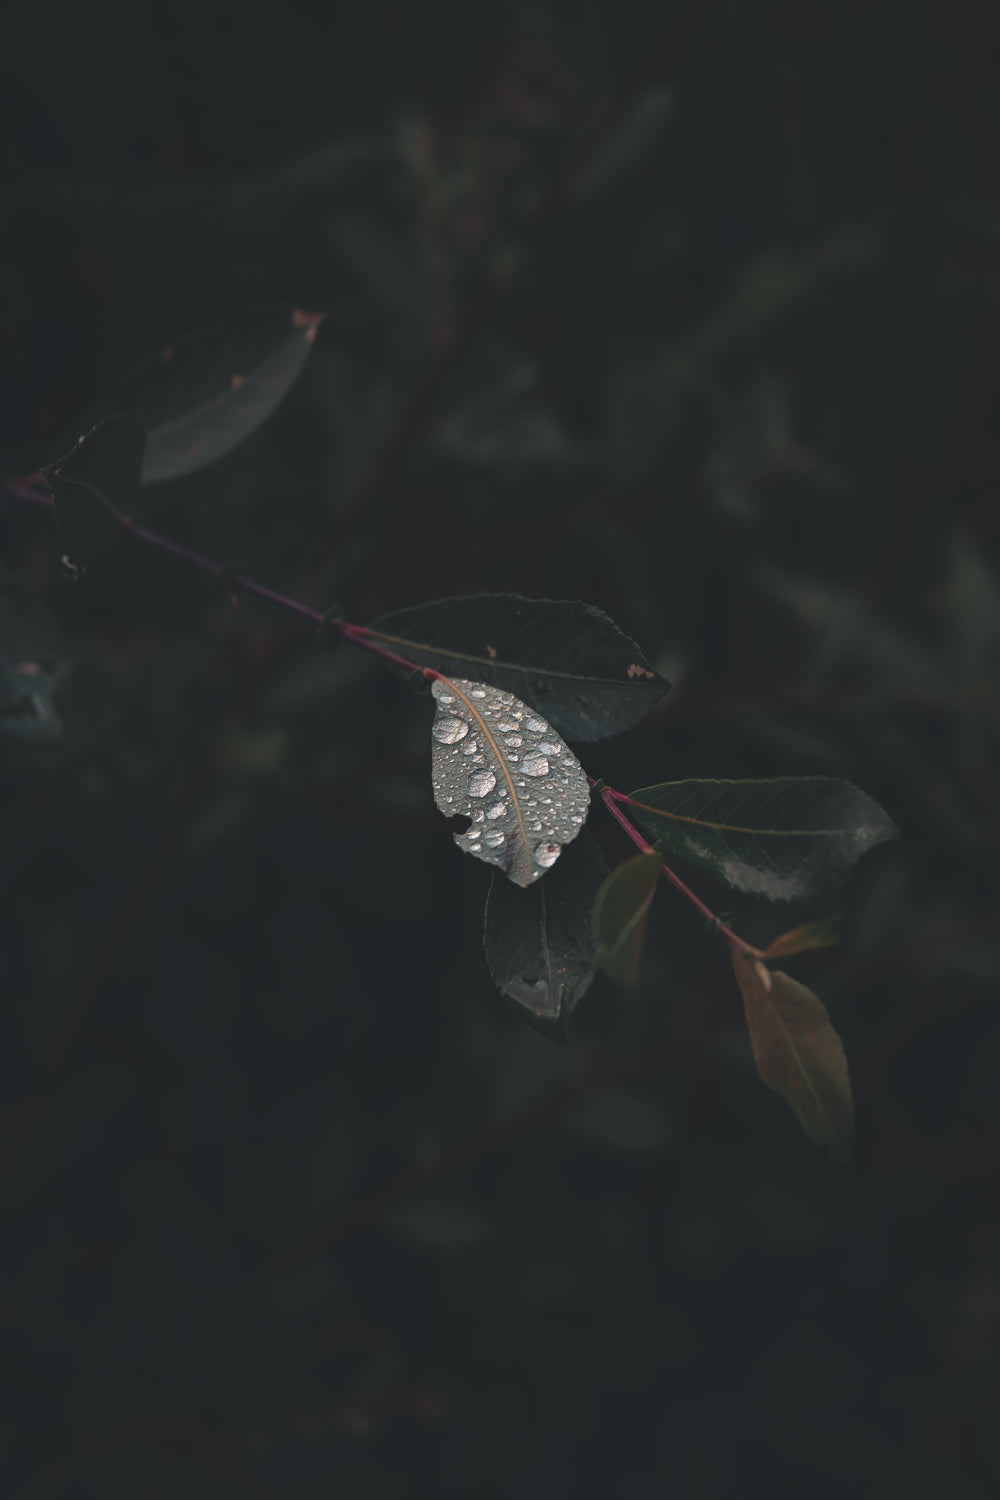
(198, 398)
(497, 762)
(784, 838)
(821, 934)
(564, 658)
(538, 941)
(797, 1052)
(32, 665)
(94, 485)
(620, 913)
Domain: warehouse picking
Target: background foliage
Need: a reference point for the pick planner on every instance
(690, 312)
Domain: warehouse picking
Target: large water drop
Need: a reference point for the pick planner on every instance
(449, 730)
(547, 853)
(535, 764)
(481, 782)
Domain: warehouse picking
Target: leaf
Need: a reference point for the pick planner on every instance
(94, 486)
(564, 658)
(538, 941)
(820, 934)
(797, 1052)
(198, 398)
(620, 913)
(32, 665)
(497, 762)
(784, 838)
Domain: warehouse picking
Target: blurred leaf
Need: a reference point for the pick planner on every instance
(625, 1121)
(797, 1052)
(822, 934)
(786, 838)
(200, 397)
(94, 486)
(389, 263)
(496, 762)
(440, 1224)
(635, 133)
(538, 941)
(564, 658)
(620, 913)
(32, 665)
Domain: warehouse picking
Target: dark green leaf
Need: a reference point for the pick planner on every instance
(786, 838)
(538, 940)
(620, 913)
(797, 1052)
(821, 934)
(32, 665)
(94, 485)
(198, 398)
(566, 659)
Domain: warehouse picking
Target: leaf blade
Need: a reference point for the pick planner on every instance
(497, 762)
(565, 658)
(198, 398)
(538, 941)
(797, 1051)
(620, 913)
(786, 838)
(824, 933)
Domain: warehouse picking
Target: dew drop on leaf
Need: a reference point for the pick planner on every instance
(494, 837)
(547, 853)
(481, 782)
(535, 764)
(450, 730)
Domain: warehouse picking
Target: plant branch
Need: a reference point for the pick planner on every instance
(612, 800)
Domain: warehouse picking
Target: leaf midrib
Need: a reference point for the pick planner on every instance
(492, 663)
(783, 833)
(507, 776)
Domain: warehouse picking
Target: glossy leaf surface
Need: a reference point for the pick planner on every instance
(566, 659)
(497, 762)
(32, 665)
(620, 913)
(198, 398)
(785, 838)
(797, 1052)
(95, 484)
(538, 941)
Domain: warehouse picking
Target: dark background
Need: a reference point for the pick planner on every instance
(691, 312)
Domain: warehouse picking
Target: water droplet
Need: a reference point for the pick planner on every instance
(497, 810)
(547, 853)
(535, 764)
(537, 726)
(494, 837)
(478, 815)
(473, 833)
(443, 697)
(512, 756)
(506, 725)
(478, 693)
(545, 748)
(535, 827)
(449, 729)
(470, 748)
(514, 740)
(481, 782)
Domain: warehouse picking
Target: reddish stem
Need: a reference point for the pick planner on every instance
(611, 799)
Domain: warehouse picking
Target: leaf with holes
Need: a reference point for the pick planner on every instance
(566, 659)
(786, 838)
(538, 941)
(797, 1052)
(620, 913)
(198, 398)
(32, 665)
(94, 486)
(497, 762)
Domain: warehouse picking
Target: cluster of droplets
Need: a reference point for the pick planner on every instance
(491, 751)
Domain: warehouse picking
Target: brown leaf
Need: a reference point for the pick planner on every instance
(797, 1052)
